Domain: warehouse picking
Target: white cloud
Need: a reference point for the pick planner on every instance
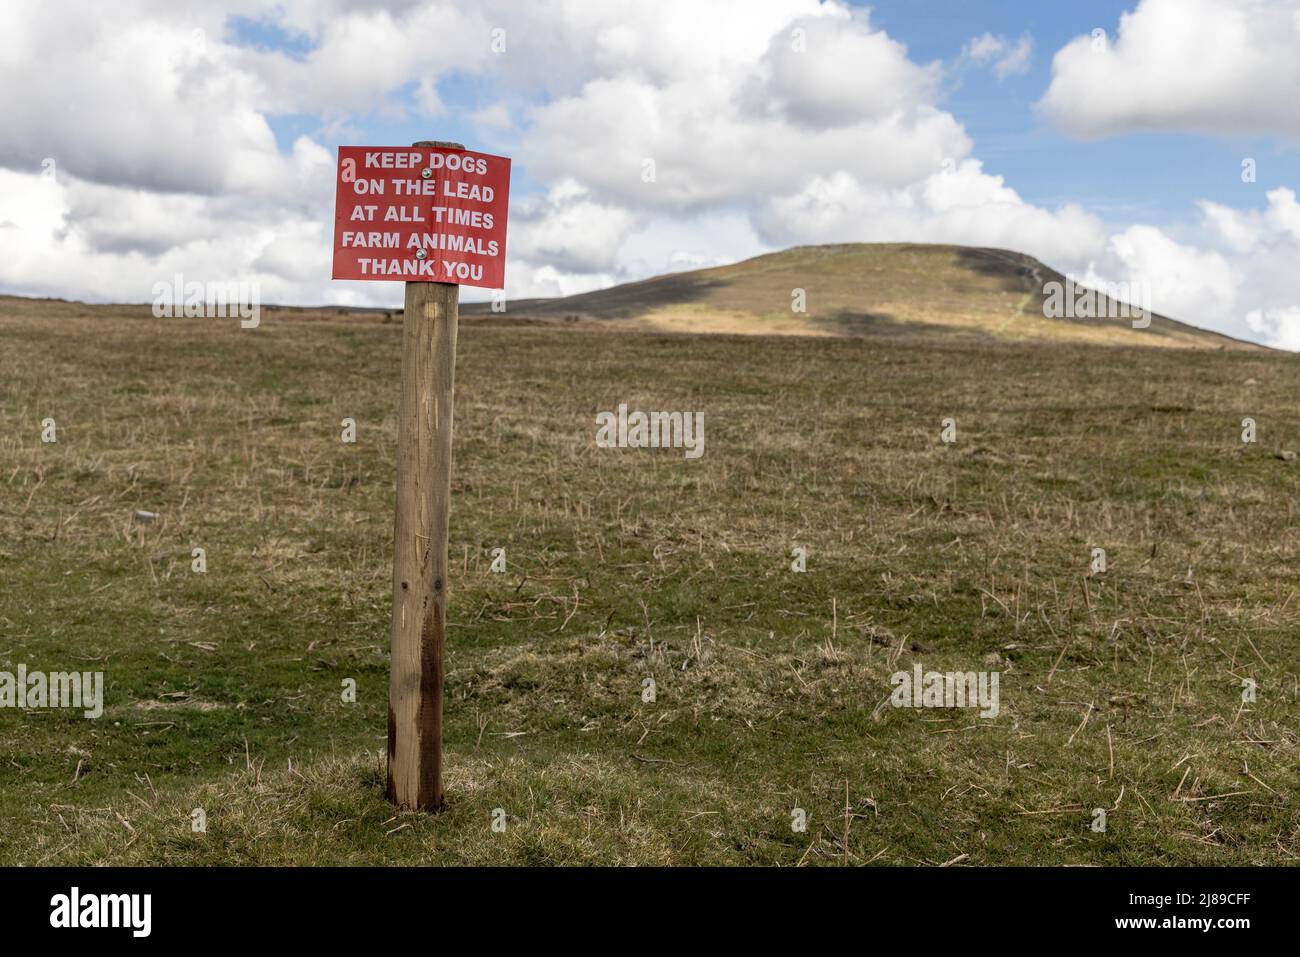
(495, 116)
(1278, 327)
(1238, 230)
(570, 231)
(723, 129)
(985, 47)
(840, 72)
(768, 122)
(1284, 212)
(1234, 272)
(65, 237)
(1205, 65)
(962, 205)
(360, 57)
(673, 244)
(1183, 280)
(1007, 58)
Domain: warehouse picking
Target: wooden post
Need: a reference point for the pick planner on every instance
(420, 542)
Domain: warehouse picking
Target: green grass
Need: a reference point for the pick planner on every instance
(223, 689)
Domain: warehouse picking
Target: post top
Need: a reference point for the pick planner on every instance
(445, 144)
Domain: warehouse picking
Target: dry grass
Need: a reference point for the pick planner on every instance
(1120, 690)
(863, 289)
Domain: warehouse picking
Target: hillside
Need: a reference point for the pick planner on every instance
(861, 289)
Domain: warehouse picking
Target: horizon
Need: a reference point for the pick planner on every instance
(1119, 300)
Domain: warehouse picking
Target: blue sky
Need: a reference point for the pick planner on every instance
(1145, 175)
(206, 135)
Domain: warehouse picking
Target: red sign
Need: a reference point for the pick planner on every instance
(421, 214)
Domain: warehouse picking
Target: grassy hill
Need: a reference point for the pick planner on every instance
(861, 289)
(915, 291)
(1120, 690)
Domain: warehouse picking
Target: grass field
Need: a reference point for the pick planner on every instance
(1120, 691)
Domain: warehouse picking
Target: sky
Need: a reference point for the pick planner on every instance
(1147, 141)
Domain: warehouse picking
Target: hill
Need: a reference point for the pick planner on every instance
(862, 289)
(853, 290)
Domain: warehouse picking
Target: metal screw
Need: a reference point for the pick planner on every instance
(426, 172)
(420, 254)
